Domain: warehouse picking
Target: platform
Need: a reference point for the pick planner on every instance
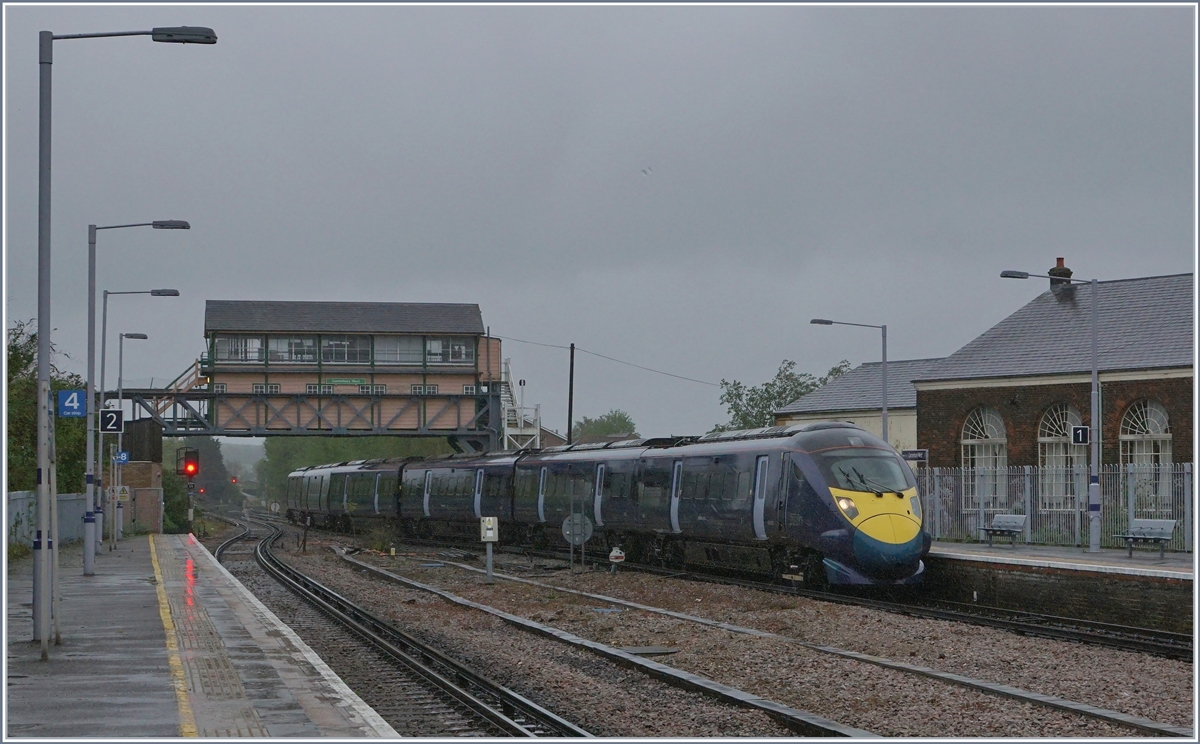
(1144, 591)
(164, 642)
(1145, 562)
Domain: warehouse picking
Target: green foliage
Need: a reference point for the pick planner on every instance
(613, 422)
(70, 435)
(285, 454)
(175, 498)
(754, 407)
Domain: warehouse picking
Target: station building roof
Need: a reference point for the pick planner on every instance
(1144, 323)
(861, 389)
(269, 316)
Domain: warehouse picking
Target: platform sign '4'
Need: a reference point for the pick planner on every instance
(71, 404)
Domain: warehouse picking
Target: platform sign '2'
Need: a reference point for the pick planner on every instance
(112, 422)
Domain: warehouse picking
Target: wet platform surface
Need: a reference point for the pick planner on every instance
(163, 642)
(1145, 561)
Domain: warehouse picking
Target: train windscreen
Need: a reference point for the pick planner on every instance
(865, 469)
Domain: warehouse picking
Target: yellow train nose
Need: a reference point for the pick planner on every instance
(890, 528)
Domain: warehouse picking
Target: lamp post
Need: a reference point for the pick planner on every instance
(46, 39)
(883, 367)
(1094, 435)
(89, 518)
(115, 530)
(99, 528)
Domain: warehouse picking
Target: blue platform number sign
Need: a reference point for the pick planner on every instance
(1079, 435)
(72, 404)
(121, 457)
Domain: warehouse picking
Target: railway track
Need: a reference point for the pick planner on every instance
(1144, 725)
(1141, 640)
(416, 688)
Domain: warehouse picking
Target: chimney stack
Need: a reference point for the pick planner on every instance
(1061, 274)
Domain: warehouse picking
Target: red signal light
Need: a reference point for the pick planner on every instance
(233, 480)
(190, 468)
(201, 490)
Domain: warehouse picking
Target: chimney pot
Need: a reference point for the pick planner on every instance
(1060, 274)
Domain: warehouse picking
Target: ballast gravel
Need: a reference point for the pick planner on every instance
(613, 701)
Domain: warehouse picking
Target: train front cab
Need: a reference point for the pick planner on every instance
(872, 533)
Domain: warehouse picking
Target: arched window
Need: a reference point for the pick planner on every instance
(1146, 434)
(1146, 445)
(1059, 460)
(984, 460)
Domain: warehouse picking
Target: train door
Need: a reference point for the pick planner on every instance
(375, 500)
(478, 492)
(781, 507)
(676, 473)
(599, 491)
(760, 496)
(425, 497)
(542, 495)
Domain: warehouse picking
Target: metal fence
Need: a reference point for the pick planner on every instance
(957, 502)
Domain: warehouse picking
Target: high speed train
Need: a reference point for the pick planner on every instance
(825, 503)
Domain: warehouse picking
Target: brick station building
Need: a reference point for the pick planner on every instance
(1010, 396)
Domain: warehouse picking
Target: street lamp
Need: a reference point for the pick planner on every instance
(103, 349)
(883, 369)
(90, 548)
(1094, 435)
(46, 39)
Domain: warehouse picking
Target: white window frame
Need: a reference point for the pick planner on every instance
(364, 389)
(984, 442)
(312, 389)
(1058, 459)
(468, 389)
(220, 388)
(273, 388)
(258, 388)
(326, 390)
(379, 389)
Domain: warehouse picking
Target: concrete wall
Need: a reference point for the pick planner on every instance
(1145, 602)
(22, 517)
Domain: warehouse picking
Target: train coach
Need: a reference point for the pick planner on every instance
(826, 503)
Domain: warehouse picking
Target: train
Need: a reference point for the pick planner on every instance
(822, 503)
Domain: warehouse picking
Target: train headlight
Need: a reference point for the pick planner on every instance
(847, 506)
(916, 506)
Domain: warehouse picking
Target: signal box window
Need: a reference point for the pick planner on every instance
(273, 389)
(450, 350)
(424, 389)
(292, 348)
(239, 348)
(397, 349)
(380, 389)
(364, 389)
(258, 388)
(219, 388)
(468, 389)
(347, 349)
(311, 389)
(327, 390)
(319, 389)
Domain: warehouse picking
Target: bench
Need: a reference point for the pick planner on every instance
(1006, 524)
(1152, 531)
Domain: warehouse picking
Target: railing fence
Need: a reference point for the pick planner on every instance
(958, 502)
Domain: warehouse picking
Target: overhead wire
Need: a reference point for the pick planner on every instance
(611, 359)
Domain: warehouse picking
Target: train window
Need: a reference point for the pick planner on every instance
(864, 469)
(655, 488)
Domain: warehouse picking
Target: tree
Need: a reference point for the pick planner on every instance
(754, 407)
(614, 422)
(70, 434)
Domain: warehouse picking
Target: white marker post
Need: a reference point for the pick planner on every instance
(489, 532)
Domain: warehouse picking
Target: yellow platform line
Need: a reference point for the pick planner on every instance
(187, 720)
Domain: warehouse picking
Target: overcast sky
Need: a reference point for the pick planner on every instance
(682, 188)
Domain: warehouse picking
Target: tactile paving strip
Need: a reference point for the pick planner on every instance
(218, 698)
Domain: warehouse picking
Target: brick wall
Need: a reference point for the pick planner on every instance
(942, 413)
